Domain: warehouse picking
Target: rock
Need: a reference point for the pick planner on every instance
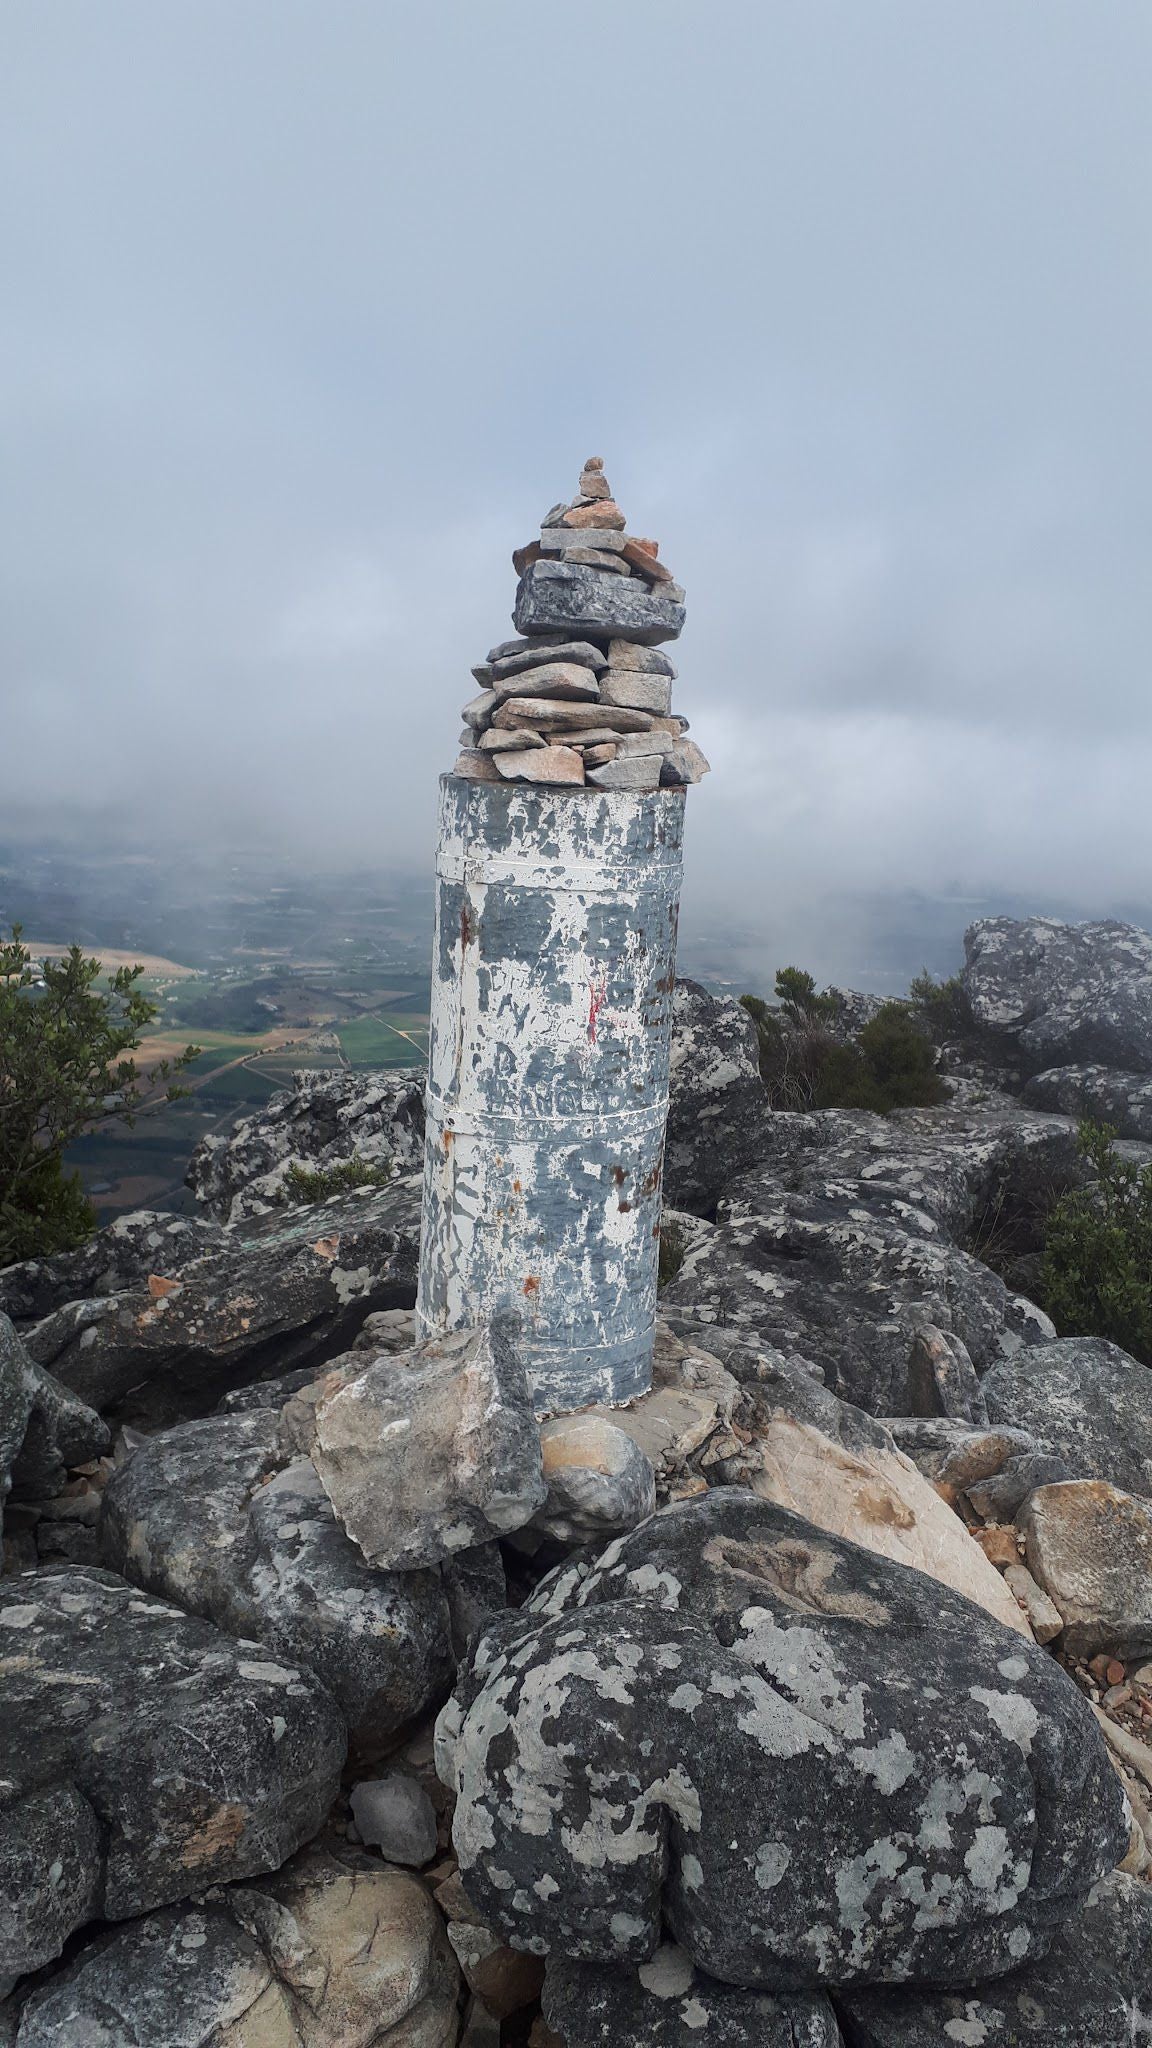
(395, 1815)
(570, 541)
(668, 2003)
(43, 1428)
(1000, 1499)
(628, 771)
(640, 743)
(529, 656)
(596, 756)
(686, 763)
(1090, 1547)
(640, 692)
(277, 1291)
(648, 661)
(599, 1481)
(217, 1517)
(942, 1377)
(536, 642)
(1090, 1992)
(555, 715)
(149, 1753)
(496, 742)
(1063, 994)
(323, 1120)
(712, 1735)
(583, 600)
(1084, 1401)
(145, 1241)
(641, 556)
(1107, 1097)
(565, 679)
(430, 1455)
(483, 674)
(474, 765)
(523, 558)
(505, 1980)
(547, 764)
(1044, 1619)
(478, 710)
(600, 512)
(718, 1115)
(322, 1954)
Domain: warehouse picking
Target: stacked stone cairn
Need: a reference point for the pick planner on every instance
(584, 697)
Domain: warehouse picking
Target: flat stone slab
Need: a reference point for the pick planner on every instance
(555, 594)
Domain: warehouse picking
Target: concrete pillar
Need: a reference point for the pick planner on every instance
(552, 984)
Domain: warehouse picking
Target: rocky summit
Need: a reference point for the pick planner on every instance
(583, 698)
(803, 1701)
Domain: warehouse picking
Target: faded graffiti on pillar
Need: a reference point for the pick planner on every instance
(597, 997)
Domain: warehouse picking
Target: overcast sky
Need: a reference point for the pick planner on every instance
(312, 308)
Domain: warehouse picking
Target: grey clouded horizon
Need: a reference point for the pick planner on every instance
(312, 311)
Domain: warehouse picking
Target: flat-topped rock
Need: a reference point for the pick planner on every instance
(527, 655)
(556, 715)
(560, 594)
(551, 765)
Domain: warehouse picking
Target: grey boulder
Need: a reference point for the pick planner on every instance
(1107, 1097)
(146, 1756)
(1090, 1547)
(217, 1517)
(718, 1114)
(668, 2003)
(1083, 1401)
(805, 1763)
(395, 1815)
(581, 600)
(142, 1242)
(43, 1428)
(599, 1480)
(322, 1121)
(1063, 994)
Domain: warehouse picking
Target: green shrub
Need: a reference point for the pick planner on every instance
(672, 1251)
(943, 1006)
(1097, 1271)
(318, 1184)
(891, 1065)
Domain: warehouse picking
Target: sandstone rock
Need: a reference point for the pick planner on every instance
(628, 771)
(395, 1815)
(599, 1480)
(596, 756)
(277, 1291)
(566, 679)
(1107, 1097)
(629, 654)
(215, 1517)
(641, 556)
(686, 763)
(718, 1115)
(478, 710)
(668, 2003)
(430, 1455)
(1044, 1619)
(1090, 1547)
(1083, 1401)
(589, 557)
(733, 1755)
(586, 601)
(555, 715)
(473, 765)
(1062, 994)
(545, 764)
(640, 743)
(320, 1956)
(145, 1752)
(600, 511)
(495, 741)
(640, 692)
(569, 541)
(533, 655)
(323, 1120)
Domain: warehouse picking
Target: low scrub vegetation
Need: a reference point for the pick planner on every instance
(1096, 1277)
(319, 1184)
(889, 1064)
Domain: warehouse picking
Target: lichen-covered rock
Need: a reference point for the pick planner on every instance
(321, 1121)
(280, 1291)
(1062, 994)
(1084, 1401)
(1093, 1990)
(808, 1764)
(145, 1756)
(43, 1428)
(324, 1955)
(1090, 1546)
(211, 1516)
(145, 1241)
(718, 1110)
(434, 1452)
(668, 2003)
(1107, 1097)
(599, 1480)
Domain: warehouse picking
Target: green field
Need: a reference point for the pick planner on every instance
(372, 1042)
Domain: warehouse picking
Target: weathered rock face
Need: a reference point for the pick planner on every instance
(322, 1956)
(1090, 1546)
(43, 1428)
(146, 1756)
(600, 1482)
(1092, 1990)
(211, 1516)
(575, 598)
(1084, 1401)
(1122, 1100)
(432, 1453)
(668, 2003)
(321, 1120)
(1062, 994)
(281, 1291)
(714, 1732)
(717, 1105)
(146, 1241)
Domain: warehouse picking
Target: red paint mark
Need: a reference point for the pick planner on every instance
(531, 1285)
(597, 997)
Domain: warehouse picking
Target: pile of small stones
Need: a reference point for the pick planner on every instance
(584, 696)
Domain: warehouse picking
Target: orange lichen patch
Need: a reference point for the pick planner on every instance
(158, 1287)
(532, 1284)
(326, 1248)
(875, 1505)
(222, 1830)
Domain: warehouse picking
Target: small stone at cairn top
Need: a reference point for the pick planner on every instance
(569, 701)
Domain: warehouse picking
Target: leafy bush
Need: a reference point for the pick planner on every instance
(307, 1184)
(943, 1005)
(1097, 1271)
(63, 1068)
(890, 1066)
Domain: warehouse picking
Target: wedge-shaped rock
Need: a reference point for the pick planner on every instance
(555, 594)
(776, 1748)
(628, 771)
(201, 1515)
(432, 1453)
(542, 764)
(1090, 1546)
(686, 763)
(571, 679)
(146, 1756)
(527, 656)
